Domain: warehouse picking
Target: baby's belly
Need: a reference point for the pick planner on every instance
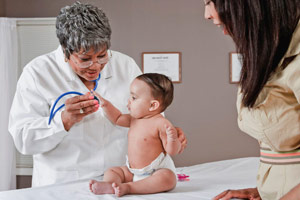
(140, 156)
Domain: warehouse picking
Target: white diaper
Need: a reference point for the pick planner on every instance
(162, 161)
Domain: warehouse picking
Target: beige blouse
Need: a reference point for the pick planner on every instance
(275, 119)
(275, 122)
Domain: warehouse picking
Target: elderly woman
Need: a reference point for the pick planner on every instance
(78, 141)
(267, 35)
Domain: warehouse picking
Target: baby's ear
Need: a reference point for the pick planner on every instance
(154, 105)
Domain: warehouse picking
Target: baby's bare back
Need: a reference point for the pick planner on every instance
(144, 143)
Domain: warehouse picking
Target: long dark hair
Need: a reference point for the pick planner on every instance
(262, 31)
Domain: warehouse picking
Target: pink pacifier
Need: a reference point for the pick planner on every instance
(182, 177)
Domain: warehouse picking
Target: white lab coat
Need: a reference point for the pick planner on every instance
(90, 146)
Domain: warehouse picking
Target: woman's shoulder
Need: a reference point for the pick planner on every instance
(123, 64)
(41, 62)
(289, 68)
(117, 56)
(44, 67)
(294, 64)
(292, 72)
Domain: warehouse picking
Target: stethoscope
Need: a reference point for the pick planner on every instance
(52, 113)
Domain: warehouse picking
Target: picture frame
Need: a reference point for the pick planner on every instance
(167, 63)
(235, 67)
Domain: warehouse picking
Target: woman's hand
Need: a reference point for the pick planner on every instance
(249, 193)
(77, 108)
(171, 133)
(182, 139)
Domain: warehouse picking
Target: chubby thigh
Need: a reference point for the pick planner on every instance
(273, 181)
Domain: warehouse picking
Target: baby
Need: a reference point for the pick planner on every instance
(151, 139)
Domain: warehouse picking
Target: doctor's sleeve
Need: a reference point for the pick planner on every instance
(28, 120)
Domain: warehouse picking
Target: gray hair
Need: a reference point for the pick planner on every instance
(82, 27)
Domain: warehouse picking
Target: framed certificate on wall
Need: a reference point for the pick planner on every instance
(235, 67)
(167, 63)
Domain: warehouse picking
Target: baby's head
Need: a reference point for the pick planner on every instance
(150, 92)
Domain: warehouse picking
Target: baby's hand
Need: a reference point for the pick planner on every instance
(171, 133)
(101, 100)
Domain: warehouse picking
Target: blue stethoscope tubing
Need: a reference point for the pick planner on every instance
(52, 113)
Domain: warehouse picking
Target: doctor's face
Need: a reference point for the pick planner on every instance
(212, 14)
(140, 99)
(88, 65)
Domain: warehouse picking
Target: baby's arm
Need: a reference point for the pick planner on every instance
(112, 113)
(169, 137)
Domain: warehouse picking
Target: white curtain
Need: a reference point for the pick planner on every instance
(8, 80)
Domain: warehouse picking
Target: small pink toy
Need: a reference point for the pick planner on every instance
(182, 177)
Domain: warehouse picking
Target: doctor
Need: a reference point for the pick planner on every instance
(80, 142)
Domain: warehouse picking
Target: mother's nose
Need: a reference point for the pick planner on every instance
(207, 14)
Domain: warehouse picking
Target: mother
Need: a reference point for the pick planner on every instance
(267, 35)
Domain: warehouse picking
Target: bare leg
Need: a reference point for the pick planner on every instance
(112, 175)
(162, 180)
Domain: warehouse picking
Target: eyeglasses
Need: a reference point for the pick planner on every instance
(86, 64)
(207, 2)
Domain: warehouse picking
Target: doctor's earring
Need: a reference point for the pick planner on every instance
(66, 59)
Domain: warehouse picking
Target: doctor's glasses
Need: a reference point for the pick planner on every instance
(85, 63)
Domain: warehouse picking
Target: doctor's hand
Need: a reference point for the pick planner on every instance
(171, 133)
(249, 193)
(181, 138)
(77, 108)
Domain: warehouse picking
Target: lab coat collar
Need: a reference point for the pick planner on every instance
(68, 72)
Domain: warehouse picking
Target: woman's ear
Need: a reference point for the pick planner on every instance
(154, 105)
(66, 59)
(65, 54)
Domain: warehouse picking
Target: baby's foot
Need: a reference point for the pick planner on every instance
(98, 187)
(121, 189)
